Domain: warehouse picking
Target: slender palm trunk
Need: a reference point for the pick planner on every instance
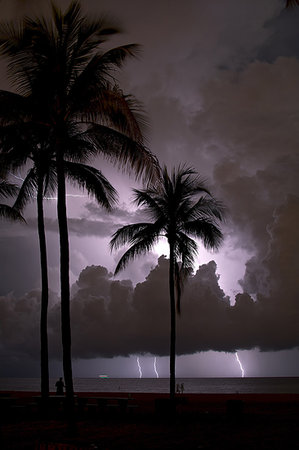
(172, 322)
(64, 279)
(44, 361)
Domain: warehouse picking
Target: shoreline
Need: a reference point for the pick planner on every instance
(189, 401)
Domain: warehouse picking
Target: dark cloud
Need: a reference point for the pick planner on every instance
(112, 318)
(17, 249)
(283, 38)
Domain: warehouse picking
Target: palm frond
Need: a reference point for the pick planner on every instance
(148, 199)
(132, 234)
(205, 207)
(108, 106)
(27, 191)
(205, 230)
(79, 145)
(10, 213)
(128, 155)
(185, 249)
(13, 107)
(93, 181)
(139, 248)
(291, 3)
(8, 189)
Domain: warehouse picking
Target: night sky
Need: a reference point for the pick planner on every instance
(219, 83)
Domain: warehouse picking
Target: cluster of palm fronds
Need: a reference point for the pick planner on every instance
(291, 3)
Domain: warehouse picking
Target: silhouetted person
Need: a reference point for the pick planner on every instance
(59, 386)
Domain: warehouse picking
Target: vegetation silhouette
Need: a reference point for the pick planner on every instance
(70, 83)
(8, 190)
(179, 207)
(41, 180)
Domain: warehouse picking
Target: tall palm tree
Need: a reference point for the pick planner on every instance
(179, 206)
(58, 65)
(40, 180)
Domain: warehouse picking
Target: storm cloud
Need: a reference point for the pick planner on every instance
(113, 318)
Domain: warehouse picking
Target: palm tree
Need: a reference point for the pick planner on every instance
(57, 64)
(179, 206)
(40, 180)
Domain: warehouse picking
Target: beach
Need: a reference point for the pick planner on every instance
(202, 421)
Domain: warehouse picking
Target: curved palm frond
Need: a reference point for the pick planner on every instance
(13, 107)
(141, 247)
(93, 181)
(8, 212)
(8, 189)
(27, 190)
(110, 107)
(291, 3)
(133, 233)
(205, 230)
(185, 250)
(97, 71)
(152, 204)
(205, 207)
(128, 155)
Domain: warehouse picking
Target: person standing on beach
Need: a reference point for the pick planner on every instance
(59, 386)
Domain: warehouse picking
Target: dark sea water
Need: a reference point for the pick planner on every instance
(160, 385)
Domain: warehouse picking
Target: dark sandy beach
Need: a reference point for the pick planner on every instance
(202, 421)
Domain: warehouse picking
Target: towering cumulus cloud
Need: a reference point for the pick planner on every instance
(112, 318)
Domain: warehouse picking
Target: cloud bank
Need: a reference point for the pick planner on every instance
(112, 318)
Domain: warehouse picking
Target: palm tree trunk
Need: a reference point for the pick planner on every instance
(64, 279)
(172, 323)
(44, 361)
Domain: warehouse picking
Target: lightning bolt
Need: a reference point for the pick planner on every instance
(155, 367)
(67, 195)
(16, 176)
(240, 364)
(50, 198)
(139, 367)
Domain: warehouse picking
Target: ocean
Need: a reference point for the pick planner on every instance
(273, 385)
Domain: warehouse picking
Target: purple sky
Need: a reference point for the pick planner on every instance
(218, 81)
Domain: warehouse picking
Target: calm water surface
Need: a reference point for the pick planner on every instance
(191, 385)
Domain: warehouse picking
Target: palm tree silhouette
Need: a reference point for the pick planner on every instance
(71, 84)
(179, 206)
(41, 180)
